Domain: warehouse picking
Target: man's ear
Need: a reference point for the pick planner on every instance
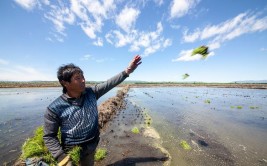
(64, 83)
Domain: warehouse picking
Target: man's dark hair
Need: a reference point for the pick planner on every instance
(65, 72)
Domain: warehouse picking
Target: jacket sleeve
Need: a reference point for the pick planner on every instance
(102, 88)
(51, 127)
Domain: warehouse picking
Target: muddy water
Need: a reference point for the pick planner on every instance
(21, 111)
(223, 126)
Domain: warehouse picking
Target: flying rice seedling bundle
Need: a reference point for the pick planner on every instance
(202, 50)
(185, 76)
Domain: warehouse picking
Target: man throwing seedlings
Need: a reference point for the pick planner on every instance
(75, 113)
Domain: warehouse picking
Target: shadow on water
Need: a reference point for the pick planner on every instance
(132, 161)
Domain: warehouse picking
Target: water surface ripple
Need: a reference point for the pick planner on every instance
(223, 126)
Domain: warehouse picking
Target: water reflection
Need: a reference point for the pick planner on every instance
(220, 132)
(21, 112)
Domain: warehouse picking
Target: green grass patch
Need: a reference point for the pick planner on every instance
(239, 107)
(100, 154)
(135, 130)
(185, 145)
(232, 107)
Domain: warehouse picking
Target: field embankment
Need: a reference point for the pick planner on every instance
(33, 84)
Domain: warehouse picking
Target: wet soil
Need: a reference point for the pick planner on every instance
(118, 117)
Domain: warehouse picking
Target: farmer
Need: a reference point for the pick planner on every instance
(75, 113)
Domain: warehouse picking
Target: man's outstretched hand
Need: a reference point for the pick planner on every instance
(133, 64)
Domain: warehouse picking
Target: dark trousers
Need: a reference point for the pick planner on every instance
(87, 152)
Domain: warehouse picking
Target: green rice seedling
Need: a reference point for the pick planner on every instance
(34, 146)
(202, 50)
(75, 155)
(135, 130)
(232, 107)
(185, 76)
(100, 154)
(207, 101)
(185, 145)
(239, 107)
(148, 119)
(49, 159)
(253, 107)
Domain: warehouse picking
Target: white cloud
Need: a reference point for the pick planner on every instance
(91, 15)
(152, 49)
(86, 57)
(159, 2)
(55, 36)
(60, 16)
(98, 60)
(150, 42)
(191, 37)
(32, 4)
(88, 14)
(167, 43)
(3, 62)
(119, 39)
(180, 8)
(23, 73)
(186, 55)
(79, 9)
(89, 30)
(262, 49)
(98, 42)
(46, 2)
(230, 29)
(127, 18)
(27, 4)
(217, 34)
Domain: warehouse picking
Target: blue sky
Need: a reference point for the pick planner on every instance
(38, 36)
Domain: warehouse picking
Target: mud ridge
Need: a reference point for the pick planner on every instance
(110, 107)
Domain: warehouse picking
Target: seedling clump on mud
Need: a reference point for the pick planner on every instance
(135, 130)
(239, 107)
(207, 101)
(185, 145)
(100, 154)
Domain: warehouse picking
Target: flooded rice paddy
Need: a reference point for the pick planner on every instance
(21, 112)
(222, 126)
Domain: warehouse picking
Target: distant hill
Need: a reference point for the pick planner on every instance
(252, 81)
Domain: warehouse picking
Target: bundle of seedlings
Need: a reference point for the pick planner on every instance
(202, 50)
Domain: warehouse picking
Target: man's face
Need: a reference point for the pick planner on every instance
(76, 84)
